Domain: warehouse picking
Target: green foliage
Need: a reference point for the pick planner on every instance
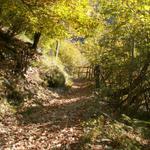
(51, 18)
(55, 78)
(53, 72)
(117, 35)
(120, 45)
(71, 56)
(113, 134)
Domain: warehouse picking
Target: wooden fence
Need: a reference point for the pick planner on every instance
(86, 72)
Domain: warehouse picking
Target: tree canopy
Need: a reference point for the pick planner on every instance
(52, 18)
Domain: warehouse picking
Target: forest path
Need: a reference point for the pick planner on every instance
(55, 125)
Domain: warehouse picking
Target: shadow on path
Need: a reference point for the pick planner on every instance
(55, 124)
(67, 110)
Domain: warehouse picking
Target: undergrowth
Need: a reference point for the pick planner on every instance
(107, 133)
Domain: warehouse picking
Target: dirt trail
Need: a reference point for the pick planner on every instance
(55, 125)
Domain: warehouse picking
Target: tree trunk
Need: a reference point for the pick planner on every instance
(57, 48)
(131, 67)
(37, 36)
(136, 82)
(97, 75)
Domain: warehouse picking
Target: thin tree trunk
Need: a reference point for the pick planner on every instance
(136, 82)
(97, 75)
(37, 36)
(131, 67)
(57, 48)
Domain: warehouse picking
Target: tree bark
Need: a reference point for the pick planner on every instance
(37, 36)
(57, 48)
(97, 75)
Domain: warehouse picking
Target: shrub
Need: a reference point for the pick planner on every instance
(55, 78)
